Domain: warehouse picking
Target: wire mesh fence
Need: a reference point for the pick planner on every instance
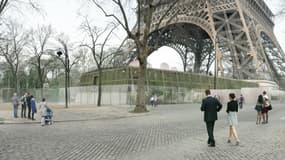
(126, 94)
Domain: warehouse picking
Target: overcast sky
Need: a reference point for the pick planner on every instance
(63, 15)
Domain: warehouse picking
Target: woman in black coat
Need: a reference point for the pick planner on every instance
(232, 109)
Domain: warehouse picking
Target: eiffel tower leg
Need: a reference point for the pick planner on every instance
(250, 67)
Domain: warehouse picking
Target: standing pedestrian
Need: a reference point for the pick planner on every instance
(152, 101)
(29, 105)
(241, 101)
(15, 103)
(155, 100)
(210, 106)
(24, 105)
(265, 108)
(258, 108)
(232, 109)
(43, 111)
(33, 106)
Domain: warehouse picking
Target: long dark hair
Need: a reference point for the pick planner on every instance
(260, 99)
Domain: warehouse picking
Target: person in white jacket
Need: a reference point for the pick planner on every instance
(43, 111)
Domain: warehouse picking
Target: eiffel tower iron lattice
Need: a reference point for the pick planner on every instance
(240, 32)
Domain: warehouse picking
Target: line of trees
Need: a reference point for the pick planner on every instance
(29, 59)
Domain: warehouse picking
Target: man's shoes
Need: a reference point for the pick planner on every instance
(212, 145)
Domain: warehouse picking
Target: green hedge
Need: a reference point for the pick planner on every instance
(155, 77)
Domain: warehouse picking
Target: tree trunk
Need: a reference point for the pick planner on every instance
(140, 101)
(99, 88)
(68, 85)
(198, 57)
(184, 67)
(185, 60)
(40, 76)
(16, 84)
(197, 64)
(14, 77)
(42, 92)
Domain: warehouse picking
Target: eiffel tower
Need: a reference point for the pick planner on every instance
(240, 32)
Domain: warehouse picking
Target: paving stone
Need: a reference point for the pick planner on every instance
(167, 132)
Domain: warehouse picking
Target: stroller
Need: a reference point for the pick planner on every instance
(48, 118)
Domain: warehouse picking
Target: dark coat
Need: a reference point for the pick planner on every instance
(29, 101)
(211, 106)
(232, 106)
(33, 105)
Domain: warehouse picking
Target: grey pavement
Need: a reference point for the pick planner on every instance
(73, 114)
(170, 132)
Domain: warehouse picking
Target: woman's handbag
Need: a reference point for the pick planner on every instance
(269, 107)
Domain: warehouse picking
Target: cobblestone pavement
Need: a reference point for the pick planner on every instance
(173, 132)
(73, 114)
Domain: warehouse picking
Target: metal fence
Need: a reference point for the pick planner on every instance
(126, 94)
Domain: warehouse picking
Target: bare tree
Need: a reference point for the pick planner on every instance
(12, 48)
(38, 44)
(208, 57)
(98, 49)
(145, 11)
(5, 4)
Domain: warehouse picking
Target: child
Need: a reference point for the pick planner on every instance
(43, 111)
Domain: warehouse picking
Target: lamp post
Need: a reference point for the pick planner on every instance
(215, 67)
(66, 66)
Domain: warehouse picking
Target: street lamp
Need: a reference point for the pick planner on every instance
(215, 68)
(66, 66)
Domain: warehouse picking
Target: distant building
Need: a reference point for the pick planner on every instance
(164, 66)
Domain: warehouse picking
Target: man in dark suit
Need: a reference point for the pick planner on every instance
(210, 106)
(29, 105)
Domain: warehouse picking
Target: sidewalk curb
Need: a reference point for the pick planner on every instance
(73, 120)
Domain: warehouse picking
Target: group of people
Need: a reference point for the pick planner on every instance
(262, 108)
(211, 106)
(28, 101)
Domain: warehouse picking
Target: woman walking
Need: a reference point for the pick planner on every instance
(258, 108)
(232, 109)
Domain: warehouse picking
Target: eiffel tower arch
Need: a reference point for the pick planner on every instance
(241, 33)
